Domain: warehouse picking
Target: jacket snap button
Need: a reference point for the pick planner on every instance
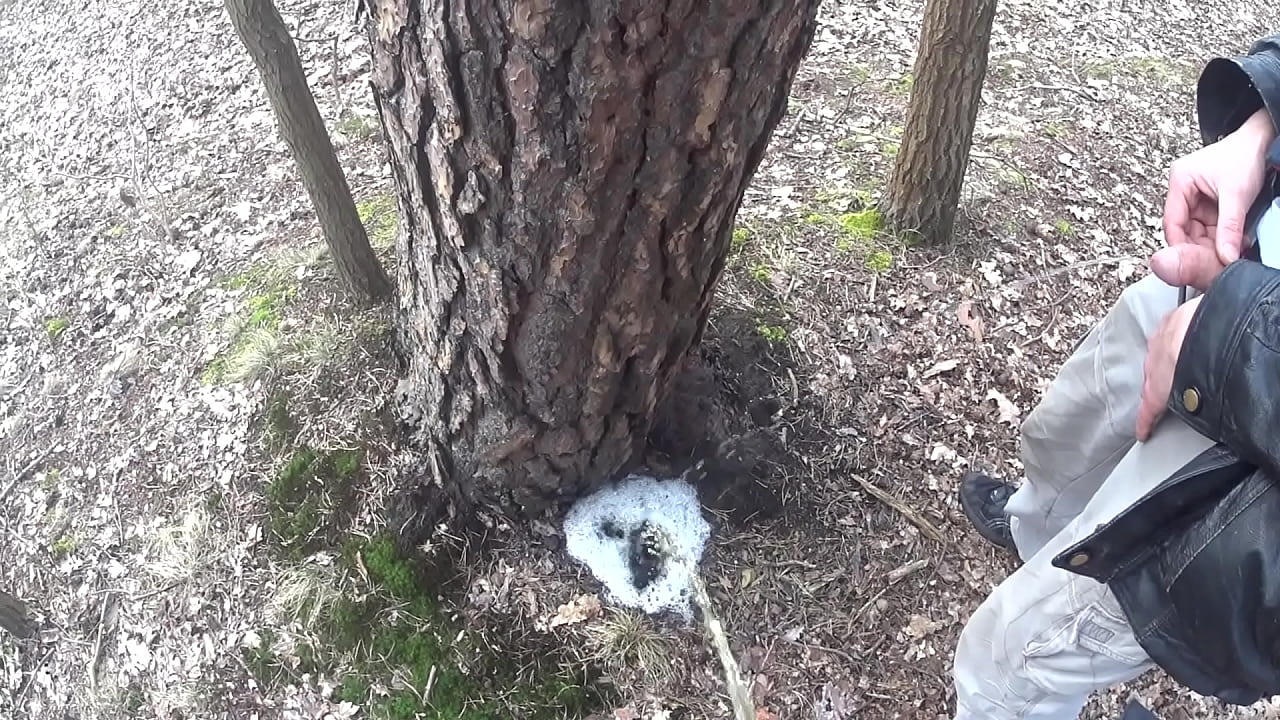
(1191, 400)
(1078, 559)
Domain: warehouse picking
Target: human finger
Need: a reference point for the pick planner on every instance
(1177, 206)
(1233, 204)
(1187, 264)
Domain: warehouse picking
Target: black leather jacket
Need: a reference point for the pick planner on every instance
(1195, 564)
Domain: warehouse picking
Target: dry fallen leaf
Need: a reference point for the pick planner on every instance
(1007, 411)
(970, 320)
(579, 609)
(938, 369)
(920, 626)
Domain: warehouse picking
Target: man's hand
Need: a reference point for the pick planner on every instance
(1210, 192)
(1162, 358)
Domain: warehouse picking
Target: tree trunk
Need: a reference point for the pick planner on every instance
(951, 64)
(13, 617)
(265, 36)
(570, 172)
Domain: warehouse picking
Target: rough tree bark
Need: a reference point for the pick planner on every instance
(265, 36)
(569, 173)
(924, 188)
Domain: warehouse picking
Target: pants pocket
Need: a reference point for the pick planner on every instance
(1103, 629)
(1091, 648)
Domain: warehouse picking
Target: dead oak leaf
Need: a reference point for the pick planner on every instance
(941, 367)
(1006, 411)
(579, 609)
(970, 320)
(919, 626)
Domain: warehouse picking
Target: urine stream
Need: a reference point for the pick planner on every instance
(739, 695)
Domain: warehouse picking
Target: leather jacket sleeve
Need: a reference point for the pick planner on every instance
(1227, 381)
(1233, 88)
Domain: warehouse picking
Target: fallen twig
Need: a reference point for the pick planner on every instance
(902, 571)
(164, 217)
(17, 477)
(1063, 88)
(1019, 284)
(914, 517)
(26, 685)
(73, 176)
(333, 51)
(96, 654)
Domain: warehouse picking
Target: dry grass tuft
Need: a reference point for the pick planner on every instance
(304, 594)
(626, 641)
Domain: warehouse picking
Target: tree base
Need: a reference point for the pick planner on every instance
(702, 420)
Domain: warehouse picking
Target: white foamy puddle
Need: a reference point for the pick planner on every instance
(601, 532)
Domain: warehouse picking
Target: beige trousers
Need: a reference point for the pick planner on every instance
(1046, 639)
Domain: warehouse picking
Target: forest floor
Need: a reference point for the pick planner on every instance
(192, 450)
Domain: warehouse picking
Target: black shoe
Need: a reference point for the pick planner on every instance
(983, 498)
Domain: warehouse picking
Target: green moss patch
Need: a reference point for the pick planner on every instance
(404, 657)
(401, 631)
(854, 230)
(880, 261)
(773, 333)
(357, 126)
(256, 338)
(63, 547)
(279, 426)
(1139, 68)
(381, 220)
(54, 327)
(306, 494)
(903, 85)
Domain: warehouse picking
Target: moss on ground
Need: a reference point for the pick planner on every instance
(1141, 67)
(880, 261)
(402, 631)
(903, 85)
(280, 428)
(63, 546)
(760, 273)
(854, 230)
(775, 334)
(381, 220)
(355, 125)
(255, 341)
(305, 495)
(389, 641)
(54, 327)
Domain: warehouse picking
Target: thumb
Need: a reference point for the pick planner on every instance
(1187, 264)
(1233, 204)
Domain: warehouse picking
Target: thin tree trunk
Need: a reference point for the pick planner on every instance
(571, 170)
(924, 189)
(13, 617)
(265, 36)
